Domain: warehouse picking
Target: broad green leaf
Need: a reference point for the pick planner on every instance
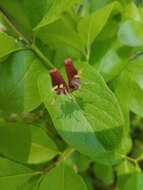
(126, 171)
(104, 173)
(14, 175)
(123, 94)
(132, 12)
(26, 143)
(135, 69)
(62, 52)
(126, 168)
(98, 50)
(136, 105)
(26, 13)
(8, 44)
(63, 178)
(97, 4)
(58, 7)
(111, 65)
(92, 122)
(61, 33)
(18, 86)
(17, 14)
(133, 182)
(90, 26)
(131, 33)
(35, 10)
(32, 183)
(129, 87)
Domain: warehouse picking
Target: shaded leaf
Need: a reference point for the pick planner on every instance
(26, 143)
(17, 14)
(129, 87)
(18, 86)
(133, 182)
(108, 177)
(90, 26)
(61, 33)
(131, 33)
(111, 65)
(8, 44)
(92, 122)
(55, 11)
(14, 175)
(63, 178)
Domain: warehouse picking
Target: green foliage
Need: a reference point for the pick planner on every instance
(64, 178)
(17, 84)
(9, 45)
(88, 137)
(93, 109)
(14, 175)
(26, 143)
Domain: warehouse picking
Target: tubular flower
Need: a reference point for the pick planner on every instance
(59, 84)
(72, 74)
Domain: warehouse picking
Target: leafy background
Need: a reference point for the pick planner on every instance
(93, 138)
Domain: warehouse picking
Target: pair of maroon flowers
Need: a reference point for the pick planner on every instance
(59, 84)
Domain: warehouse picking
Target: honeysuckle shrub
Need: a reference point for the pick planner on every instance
(71, 95)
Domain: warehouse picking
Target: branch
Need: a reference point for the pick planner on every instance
(28, 43)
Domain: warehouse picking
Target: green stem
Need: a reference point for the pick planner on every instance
(65, 155)
(45, 60)
(62, 157)
(133, 160)
(14, 28)
(136, 55)
(21, 37)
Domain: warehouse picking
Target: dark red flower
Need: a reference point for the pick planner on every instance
(59, 84)
(72, 74)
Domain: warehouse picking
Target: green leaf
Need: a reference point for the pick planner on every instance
(90, 26)
(133, 182)
(61, 33)
(63, 178)
(62, 52)
(97, 4)
(136, 77)
(135, 69)
(131, 33)
(126, 168)
(136, 102)
(26, 143)
(79, 161)
(26, 14)
(35, 10)
(14, 175)
(132, 12)
(92, 122)
(32, 183)
(129, 87)
(18, 86)
(58, 7)
(17, 14)
(104, 173)
(8, 44)
(111, 65)
(127, 171)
